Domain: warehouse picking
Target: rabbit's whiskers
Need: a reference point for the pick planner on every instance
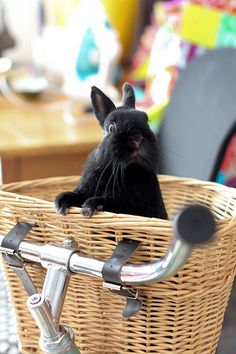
(115, 179)
(112, 175)
(100, 178)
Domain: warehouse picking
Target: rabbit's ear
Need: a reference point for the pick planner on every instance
(128, 96)
(102, 104)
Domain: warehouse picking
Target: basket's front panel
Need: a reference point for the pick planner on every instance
(182, 315)
(97, 318)
(165, 323)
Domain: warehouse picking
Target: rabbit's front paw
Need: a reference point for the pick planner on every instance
(63, 202)
(91, 206)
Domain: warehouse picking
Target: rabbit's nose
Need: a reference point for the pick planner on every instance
(135, 140)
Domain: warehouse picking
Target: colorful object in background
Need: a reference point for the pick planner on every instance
(207, 26)
(86, 50)
(85, 65)
(93, 51)
(155, 63)
(61, 10)
(200, 25)
(155, 115)
(227, 171)
(140, 73)
(180, 31)
(163, 60)
(140, 61)
(125, 23)
(228, 6)
(189, 51)
(227, 32)
(125, 18)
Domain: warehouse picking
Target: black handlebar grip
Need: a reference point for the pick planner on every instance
(195, 224)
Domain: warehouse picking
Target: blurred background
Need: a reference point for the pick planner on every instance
(180, 57)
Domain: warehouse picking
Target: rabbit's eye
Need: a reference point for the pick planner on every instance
(112, 128)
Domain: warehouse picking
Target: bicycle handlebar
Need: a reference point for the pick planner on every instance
(193, 225)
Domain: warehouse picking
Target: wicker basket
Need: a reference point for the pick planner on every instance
(181, 315)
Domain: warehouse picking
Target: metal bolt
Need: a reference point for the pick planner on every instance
(69, 242)
(35, 299)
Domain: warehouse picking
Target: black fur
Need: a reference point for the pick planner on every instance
(120, 175)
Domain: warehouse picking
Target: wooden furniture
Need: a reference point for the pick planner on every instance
(37, 142)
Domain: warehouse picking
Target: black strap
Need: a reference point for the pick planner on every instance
(11, 242)
(111, 274)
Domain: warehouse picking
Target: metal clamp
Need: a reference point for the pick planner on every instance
(111, 274)
(11, 242)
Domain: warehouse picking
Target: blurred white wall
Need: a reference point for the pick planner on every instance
(22, 22)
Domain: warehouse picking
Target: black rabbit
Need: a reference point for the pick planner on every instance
(120, 174)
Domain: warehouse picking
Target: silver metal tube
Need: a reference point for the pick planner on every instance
(61, 255)
(54, 339)
(175, 257)
(63, 343)
(41, 313)
(192, 226)
(54, 289)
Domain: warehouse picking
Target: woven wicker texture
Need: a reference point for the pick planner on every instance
(182, 315)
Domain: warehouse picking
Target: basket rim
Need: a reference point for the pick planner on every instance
(7, 194)
(9, 189)
(187, 181)
(162, 179)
